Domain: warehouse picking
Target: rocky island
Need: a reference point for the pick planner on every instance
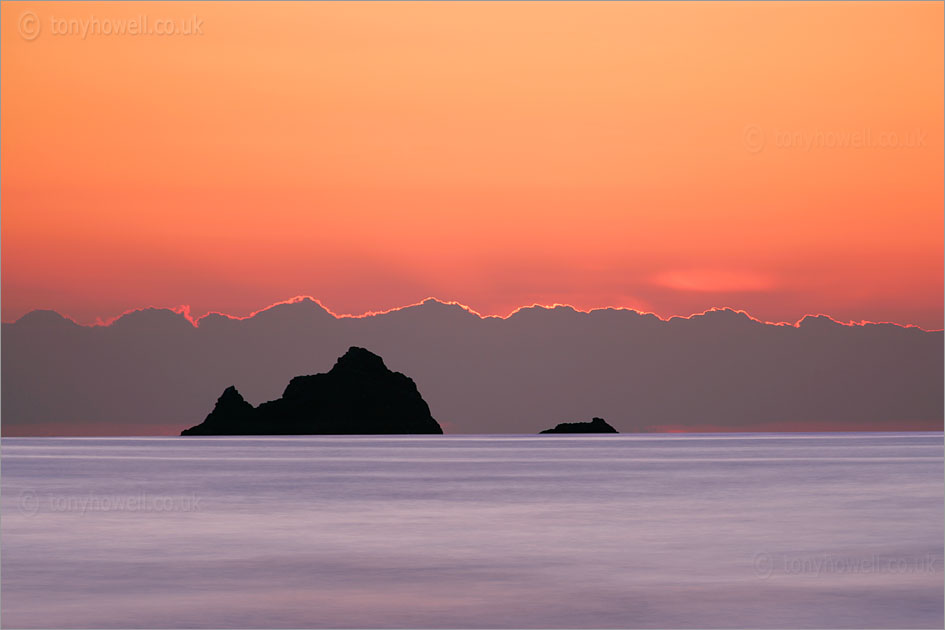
(597, 425)
(358, 396)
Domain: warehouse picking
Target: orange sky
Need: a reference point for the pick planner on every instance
(666, 157)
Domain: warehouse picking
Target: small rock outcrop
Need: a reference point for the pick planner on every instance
(597, 425)
(358, 396)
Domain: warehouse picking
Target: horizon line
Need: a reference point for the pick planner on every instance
(292, 437)
(185, 311)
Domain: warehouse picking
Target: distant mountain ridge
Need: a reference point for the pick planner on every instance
(150, 369)
(316, 306)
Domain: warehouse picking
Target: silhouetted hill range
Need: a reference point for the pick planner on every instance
(359, 395)
(148, 371)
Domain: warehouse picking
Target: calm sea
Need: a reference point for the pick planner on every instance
(633, 531)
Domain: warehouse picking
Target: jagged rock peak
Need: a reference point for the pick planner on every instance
(361, 360)
(230, 394)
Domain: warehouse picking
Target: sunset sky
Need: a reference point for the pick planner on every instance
(778, 158)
